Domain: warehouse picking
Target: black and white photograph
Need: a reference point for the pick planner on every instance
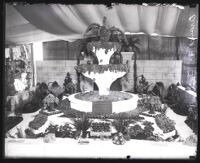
(97, 81)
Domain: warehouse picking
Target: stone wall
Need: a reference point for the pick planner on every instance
(55, 70)
(167, 71)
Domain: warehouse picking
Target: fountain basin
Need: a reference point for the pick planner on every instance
(103, 75)
(106, 106)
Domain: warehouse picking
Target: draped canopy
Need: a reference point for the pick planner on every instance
(41, 22)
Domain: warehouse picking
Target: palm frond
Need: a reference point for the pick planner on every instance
(82, 124)
(93, 28)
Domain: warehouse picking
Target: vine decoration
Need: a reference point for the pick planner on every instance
(82, 68)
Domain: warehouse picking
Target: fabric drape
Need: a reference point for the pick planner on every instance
(69, 22)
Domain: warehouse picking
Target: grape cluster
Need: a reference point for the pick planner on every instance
(118, 139)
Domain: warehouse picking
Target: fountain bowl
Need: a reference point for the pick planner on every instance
(105, 104)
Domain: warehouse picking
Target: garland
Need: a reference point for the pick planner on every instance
(101, 68)
(103, 45)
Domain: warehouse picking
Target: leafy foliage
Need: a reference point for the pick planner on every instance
(64, 105)
(104, 45)
(192, 118)
(82, 124)
(142, 85)
(153, 102)
(121, 124)
(36, 97)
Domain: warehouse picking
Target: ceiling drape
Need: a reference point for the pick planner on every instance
(69, 22)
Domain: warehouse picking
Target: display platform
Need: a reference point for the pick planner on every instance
(70, 148)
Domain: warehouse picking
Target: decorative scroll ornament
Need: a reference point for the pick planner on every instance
(192, 19)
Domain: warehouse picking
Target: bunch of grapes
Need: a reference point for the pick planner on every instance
(118, 139)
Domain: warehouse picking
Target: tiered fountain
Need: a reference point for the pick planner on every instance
(103, 74)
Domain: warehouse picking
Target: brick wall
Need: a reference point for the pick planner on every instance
(166, 71)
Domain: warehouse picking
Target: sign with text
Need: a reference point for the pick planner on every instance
(104, 107)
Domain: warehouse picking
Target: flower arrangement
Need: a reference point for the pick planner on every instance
(164, 123)
(50, 101)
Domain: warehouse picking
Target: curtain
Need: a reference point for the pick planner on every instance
(187, 25)
(69, 22)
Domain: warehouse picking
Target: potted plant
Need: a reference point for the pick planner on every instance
(82, 125)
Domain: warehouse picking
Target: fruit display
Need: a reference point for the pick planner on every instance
(136, 132)
(72, 113)
(100, 129)
(94, 96)
(164, 123)
(38, 121)
(60, 131)
(118, 139)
